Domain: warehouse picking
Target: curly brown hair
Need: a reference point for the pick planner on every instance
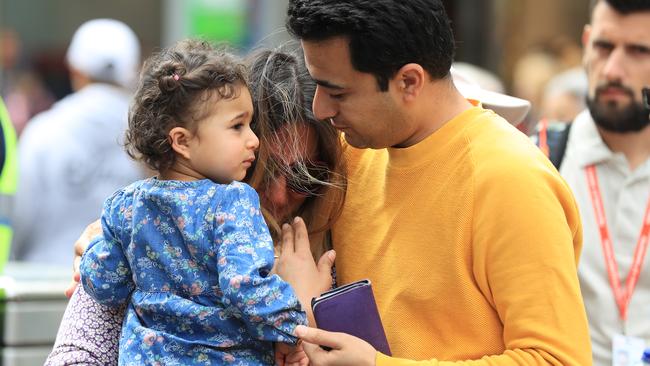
(174, 86)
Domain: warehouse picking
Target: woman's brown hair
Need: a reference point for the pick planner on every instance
(282, 93)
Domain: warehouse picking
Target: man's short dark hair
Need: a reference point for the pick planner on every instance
(384, 35)
(625, 6)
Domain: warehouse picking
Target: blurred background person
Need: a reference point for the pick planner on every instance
(8, 182)
(486, 79)
(71, 156)
(24, 92)
(607, 165)
(564, 96)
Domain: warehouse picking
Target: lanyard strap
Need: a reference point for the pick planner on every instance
(542, 137)
(621, 295)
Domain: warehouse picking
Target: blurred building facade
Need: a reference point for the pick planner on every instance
(493, 34)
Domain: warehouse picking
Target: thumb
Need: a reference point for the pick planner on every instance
(319, 337)
(326, 262)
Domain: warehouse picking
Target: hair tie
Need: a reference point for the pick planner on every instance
(176, 77)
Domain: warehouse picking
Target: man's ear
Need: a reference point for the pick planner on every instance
(586, 35)
(586, 32)
(409, 81)
(179, 138)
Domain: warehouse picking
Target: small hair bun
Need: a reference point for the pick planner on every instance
(171, 80)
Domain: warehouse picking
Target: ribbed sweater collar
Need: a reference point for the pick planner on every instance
(421, 153)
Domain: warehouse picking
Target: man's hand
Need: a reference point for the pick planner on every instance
(344, 348)
(296, 265)
(90, 232)
(286, 355)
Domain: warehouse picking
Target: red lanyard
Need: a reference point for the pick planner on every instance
(542, 143)
(622, 295)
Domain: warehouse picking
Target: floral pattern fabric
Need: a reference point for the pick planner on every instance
(88, 334)
(193, 262)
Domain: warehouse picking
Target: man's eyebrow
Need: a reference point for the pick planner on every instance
(327, 84)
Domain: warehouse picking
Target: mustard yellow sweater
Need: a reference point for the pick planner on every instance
(471, 240)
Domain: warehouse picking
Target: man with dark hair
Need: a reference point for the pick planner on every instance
(607, 164)
(469, 235)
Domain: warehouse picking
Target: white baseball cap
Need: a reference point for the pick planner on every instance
(105, 50)
(513, 109)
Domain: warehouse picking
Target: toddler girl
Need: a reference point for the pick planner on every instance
(189, 249)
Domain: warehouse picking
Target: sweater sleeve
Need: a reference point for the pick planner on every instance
(105, 272)
(267, 304)
(526, 243)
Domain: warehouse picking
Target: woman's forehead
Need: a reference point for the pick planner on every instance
(294, 142)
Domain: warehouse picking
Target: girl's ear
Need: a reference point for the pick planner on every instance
(179, 138)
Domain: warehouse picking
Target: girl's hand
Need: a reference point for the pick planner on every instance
(90, 232)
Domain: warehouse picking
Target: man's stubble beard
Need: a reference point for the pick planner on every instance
(614, 118)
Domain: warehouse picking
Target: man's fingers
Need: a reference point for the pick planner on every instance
(319, 337)
(279, 359)
(287, 239)
(314, 352)
(295, 357)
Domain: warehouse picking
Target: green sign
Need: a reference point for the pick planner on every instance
(219, 20)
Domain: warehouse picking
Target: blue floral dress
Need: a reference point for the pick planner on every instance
(193, 260)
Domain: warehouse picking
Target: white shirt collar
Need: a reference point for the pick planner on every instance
(585, 143)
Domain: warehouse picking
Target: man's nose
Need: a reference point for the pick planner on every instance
(614, 69)
(323, 106)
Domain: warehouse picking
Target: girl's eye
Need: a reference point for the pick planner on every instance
(238, 126)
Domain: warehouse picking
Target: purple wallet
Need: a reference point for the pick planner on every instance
(351, 309)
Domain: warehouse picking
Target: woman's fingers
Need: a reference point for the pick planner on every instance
(325, 264)
(90, 232)
(71, 287)
(287, 245)
(300, 236)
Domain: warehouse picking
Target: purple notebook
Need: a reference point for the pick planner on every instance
(351, 309)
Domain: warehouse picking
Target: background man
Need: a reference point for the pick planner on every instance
(608, 167)
(70, 157)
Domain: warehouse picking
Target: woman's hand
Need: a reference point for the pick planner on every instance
(90, 232)
(296, 265)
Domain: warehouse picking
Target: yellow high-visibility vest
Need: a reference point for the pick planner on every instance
(8, 184)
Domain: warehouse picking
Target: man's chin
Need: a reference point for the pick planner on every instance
(356, 142)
